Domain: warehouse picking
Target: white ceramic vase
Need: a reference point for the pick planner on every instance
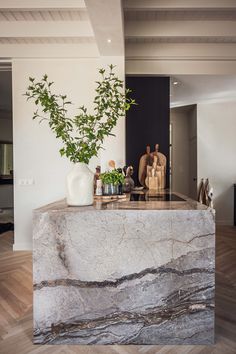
(80, 185)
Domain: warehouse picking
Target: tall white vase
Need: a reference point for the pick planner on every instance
(80, 185)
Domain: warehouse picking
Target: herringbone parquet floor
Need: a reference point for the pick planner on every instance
(16, 306)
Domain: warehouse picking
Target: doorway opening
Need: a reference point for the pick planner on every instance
(183, 150)
(6, 152)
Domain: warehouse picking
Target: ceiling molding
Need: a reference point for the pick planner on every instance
(22, 5)
(179, 29)
(180, 51)
(49, 51)
(181, 15)
(180, 40)
(46, 29)
(163, 35)
(47, 40)
(179, 67)
(178, 4)
(44, 15)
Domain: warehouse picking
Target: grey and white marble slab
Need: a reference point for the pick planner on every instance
(124, 273)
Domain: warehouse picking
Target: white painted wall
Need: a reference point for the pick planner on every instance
(184, 151)
(180, 153)
(114, 147)
(216, 154)
(36, 152)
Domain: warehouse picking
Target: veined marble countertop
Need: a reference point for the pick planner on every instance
(124, 272)
(126, 204)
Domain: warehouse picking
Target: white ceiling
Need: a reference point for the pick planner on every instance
(56, 28)
(57, 24)
(106, 17)
(180, 15)
(157, 34)
(44, 15)
(72, 28)
(47, 40)
(151, 26)
(193, 89)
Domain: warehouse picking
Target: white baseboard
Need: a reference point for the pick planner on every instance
(25, 246)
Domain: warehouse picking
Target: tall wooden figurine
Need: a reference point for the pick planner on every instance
(152, 169)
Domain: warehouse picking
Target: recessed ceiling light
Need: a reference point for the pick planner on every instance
(175, 82)
(109, 40)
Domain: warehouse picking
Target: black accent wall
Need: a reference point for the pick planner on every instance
(148, 122)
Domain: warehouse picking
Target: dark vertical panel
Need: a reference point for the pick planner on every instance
(148, 122)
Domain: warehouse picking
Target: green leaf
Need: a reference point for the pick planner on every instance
(82, 135)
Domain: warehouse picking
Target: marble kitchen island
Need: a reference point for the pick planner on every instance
(128, 272)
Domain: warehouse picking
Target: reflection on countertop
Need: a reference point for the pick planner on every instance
(138, 200)
(144, 196)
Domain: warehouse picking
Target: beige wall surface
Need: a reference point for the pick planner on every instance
(216, 154)
(180, 154)
(184, 150)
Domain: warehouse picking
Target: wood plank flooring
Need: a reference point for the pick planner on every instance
(16, 306)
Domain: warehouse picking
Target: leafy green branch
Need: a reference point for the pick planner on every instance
(82, 135)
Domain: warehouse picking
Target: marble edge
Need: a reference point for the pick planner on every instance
(123, 205)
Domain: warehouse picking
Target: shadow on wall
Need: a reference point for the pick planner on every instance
(223, 204)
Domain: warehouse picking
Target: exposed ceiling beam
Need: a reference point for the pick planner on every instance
(45, 29)
(177, 67)
(157, 44)
(106, 17)
(178, 4)
(181, 51)
(49, 51)
(142, 29)
(23, 5)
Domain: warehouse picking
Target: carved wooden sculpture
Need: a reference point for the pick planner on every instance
(152, 169)
(145, 160)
